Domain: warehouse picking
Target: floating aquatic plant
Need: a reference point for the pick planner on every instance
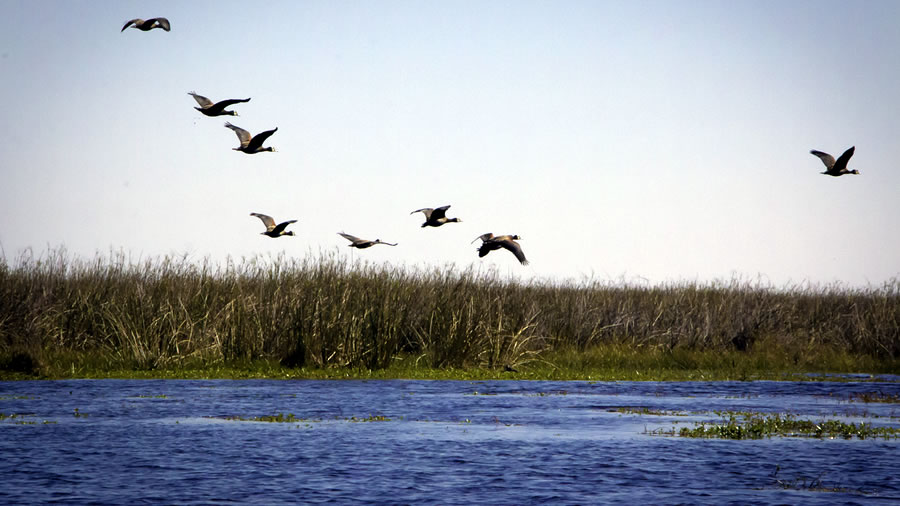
(806, 483)
(291, 418)
(20, 419)
(757, 426)
(372, 418)
(640, 410)
(868, 397)
(278, 418)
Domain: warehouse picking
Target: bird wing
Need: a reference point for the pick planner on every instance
(203, 101)
(827, 159)
(163, 23)
(222, 104)
(281, 226)
(242, 134)
(267, 221)
(426, 211)
(516, 250)
(257, 141)
(351, 238)
(439, 212)
(484, 237)
(135, 21)
(841, 164)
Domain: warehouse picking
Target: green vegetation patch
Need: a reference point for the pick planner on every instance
(759, 425)
(602, 362)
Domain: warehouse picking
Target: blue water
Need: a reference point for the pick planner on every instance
(447, 442)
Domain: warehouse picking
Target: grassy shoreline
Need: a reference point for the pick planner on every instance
(326, 317)
(610, 362)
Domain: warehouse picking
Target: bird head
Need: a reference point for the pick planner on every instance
(289, 232)
(854, 171)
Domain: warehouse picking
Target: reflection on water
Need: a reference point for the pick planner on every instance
(448, 442)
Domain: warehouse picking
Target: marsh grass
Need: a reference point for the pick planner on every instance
(65, 317)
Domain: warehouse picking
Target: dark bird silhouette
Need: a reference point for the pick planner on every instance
(490, 243)
(273, 230)
(250, 144)
(356, 242)
(209, 108)
(436, 217)
(838, 167)
(149, 24)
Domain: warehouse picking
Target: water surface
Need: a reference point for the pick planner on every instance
(448, 442)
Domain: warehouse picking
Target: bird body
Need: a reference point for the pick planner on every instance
(490, 242)
(836, 167)
(356, 242)
(250, 144)
(273, 230)
(145, 25)
(209, 108)
(436, 217)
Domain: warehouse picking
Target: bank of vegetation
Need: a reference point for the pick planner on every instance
(63, 316)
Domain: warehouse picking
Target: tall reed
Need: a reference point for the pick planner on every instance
(324, 311)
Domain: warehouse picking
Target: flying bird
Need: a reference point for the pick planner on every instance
(356, 242)
(209, 108)
(250, 144)
(489, 243)
(149, 24)
(839, 167)
(436, 217)
(273, 230)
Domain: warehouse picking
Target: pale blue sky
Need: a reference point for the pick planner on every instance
(659, 140)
